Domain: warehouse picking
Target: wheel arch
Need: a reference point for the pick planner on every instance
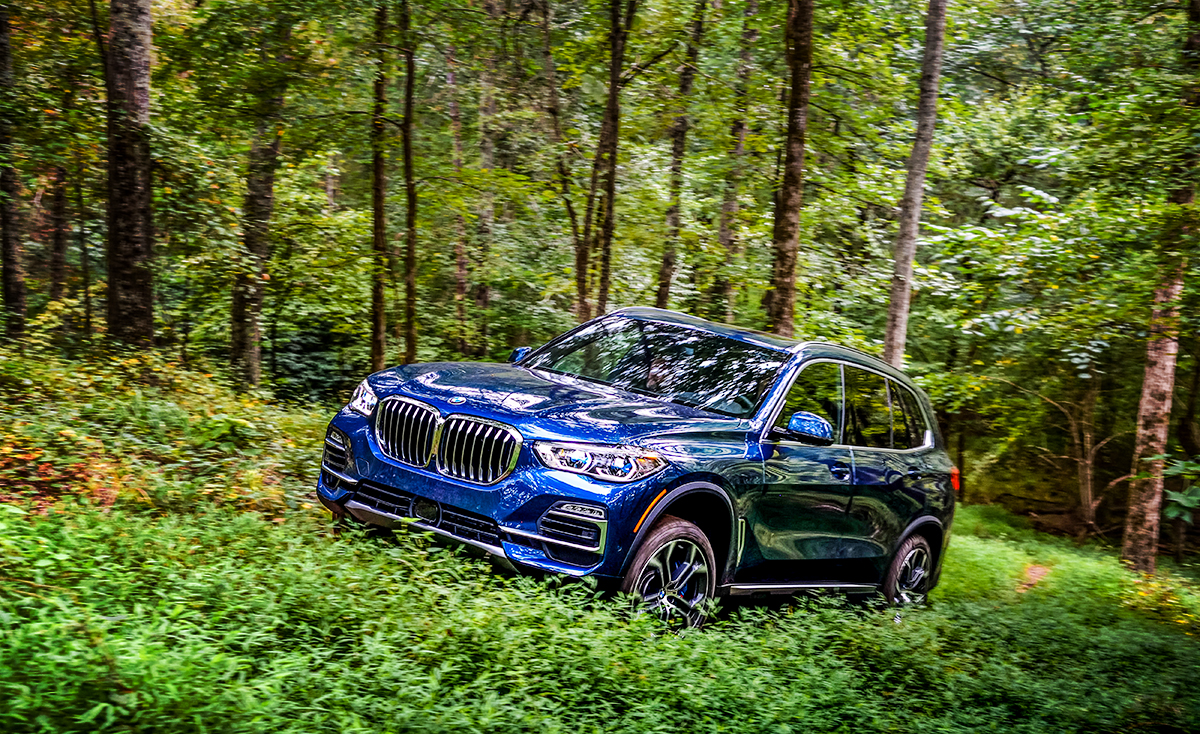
(934, 532)
(705, 504)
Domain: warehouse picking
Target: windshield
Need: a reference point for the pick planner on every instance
(675, 363)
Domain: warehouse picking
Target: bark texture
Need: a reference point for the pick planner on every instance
(723, 285)
(130, 229)
(410, 188)
(461, 275)
(249, 285)
(378, 203)
(780, 298)
(679, 130)
(58, 235)
(603, 185)
(10, 242)
(1140, 543)
(914, 186)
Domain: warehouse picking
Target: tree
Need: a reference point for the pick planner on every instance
(378, 193)
(10, 243)
(723, 284)
(780, 299)
(1139, 545)
(409, 41)
(130, 231)
(250, 283)
(679, 129)
(914, 185)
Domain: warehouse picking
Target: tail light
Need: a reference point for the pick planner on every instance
(956, 479)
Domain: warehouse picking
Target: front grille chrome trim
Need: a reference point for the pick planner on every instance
(464, 441)
(405, 430)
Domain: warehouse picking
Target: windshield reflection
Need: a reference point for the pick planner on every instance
(667, 361)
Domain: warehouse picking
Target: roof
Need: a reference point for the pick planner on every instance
(812, 349)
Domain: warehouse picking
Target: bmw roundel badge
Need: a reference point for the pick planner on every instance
(457, 400)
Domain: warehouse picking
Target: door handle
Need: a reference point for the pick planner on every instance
(840, 472)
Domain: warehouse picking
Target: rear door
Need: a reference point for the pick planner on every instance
(888, 464)
(799, 520)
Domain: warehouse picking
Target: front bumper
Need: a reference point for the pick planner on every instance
(518, 520)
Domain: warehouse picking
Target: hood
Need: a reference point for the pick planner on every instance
(546, 405)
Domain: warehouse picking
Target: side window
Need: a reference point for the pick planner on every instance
(868, 416)
(917, 427)
(901, 437)
(817, 389)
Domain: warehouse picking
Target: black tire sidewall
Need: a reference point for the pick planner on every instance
(670, 528)
(893, 573)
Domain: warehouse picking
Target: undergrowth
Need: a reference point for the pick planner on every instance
(162, 573)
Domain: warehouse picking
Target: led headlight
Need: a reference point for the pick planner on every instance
(364, 399)
(609, 463)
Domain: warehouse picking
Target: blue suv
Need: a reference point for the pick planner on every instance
(675, 458)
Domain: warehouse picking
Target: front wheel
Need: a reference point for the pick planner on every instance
(909, 573)
(673, 572)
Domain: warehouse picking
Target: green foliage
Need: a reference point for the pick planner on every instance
(220, 620)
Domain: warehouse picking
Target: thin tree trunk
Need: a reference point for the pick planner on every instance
(1087, 452)
(410, 189)
(130, 230)
(58, 237)
(487, 160)
(914, 186)
(554, 111)
(10, 242)
(378, 191)
(618, 38)
(781, 296)
(1189, 435)
(85, 264)
(1140, 542)
(679, 132)
(723, 286)
(460, 244)
(249, 285)
(1139, 545)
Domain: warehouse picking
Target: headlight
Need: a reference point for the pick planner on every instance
(609, 463)
(364, 399)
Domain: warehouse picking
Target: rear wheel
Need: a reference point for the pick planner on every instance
(910, 572)
(673, 573)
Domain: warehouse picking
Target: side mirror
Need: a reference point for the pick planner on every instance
(519, 353)
(810, 428)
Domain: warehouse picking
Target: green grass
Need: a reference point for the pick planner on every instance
(163, 607)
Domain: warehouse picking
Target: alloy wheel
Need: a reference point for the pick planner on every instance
(674, 583)
(913, 580)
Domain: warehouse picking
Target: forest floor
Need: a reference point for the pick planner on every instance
(162, 569)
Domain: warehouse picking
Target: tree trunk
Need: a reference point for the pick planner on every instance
(618, 38)
(85, 264)
(410, 188)
(460, 244)
(1087, 452)
(378, 191)
(554, 111)
(723, 286)
(249, 285)
(58, 236)
(1189, 435)
(781, 296)
(678, 142)
(1140, 543)
(10, 242)
(130, 230)
(914, 186)
(487, 160)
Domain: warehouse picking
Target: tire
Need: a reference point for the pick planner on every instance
(674, 573)
(909, 573)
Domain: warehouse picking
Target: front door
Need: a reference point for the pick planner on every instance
(799, 519)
